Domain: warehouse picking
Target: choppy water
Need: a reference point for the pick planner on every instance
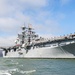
(37, 66)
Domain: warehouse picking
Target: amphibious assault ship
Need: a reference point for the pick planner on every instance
(30, 45)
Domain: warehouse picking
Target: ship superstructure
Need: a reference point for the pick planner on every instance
(30, 45)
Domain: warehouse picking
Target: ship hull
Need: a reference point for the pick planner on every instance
(67, 51)
(64, 51)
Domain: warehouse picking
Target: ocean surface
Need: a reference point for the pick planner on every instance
(37, 66)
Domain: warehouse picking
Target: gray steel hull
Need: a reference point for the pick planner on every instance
(65, 51)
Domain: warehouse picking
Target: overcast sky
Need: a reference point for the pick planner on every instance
(48, 18)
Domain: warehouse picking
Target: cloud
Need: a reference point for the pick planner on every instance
(14, 13)
(8, 24)
(34, 3)
(5, 8)
(48, 27)
(8, 8)
(7, 41)
(63, 2)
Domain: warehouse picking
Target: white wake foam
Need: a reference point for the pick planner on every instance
(12, 71)
(27, 72)
(8, 72)
(4, 73)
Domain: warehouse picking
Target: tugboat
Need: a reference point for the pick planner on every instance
(29, 45)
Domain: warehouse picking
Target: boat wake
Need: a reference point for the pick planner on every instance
(13, 71)
(8, 72)
(4, 73)
(27, 72)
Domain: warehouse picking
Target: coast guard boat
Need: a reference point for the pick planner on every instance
(30, 45)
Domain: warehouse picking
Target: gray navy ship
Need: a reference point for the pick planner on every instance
(29, 45)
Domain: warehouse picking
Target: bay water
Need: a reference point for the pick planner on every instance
(37, 66)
